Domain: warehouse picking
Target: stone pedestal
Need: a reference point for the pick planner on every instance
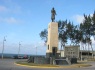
(52, 43)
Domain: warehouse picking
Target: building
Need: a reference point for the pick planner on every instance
(87, 54)
(72, 51)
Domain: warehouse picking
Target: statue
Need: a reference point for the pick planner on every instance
(53, 13)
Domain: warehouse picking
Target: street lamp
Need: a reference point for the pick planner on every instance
(36, 50)
(19, 48)
(3, 46)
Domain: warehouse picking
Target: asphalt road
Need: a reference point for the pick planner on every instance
(8, 64)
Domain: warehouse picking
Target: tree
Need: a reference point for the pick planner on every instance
(62, 32)
(88, 28)
(93, 25)
(70, 31)
(44, 35)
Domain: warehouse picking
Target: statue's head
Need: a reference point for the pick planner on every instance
(53, 8)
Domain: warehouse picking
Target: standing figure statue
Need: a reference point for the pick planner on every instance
(53, 13)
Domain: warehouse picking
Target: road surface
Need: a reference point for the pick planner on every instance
(8, 64)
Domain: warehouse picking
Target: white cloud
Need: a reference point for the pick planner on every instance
(9, 10)
(3, 9)
(78, 18)
(91, 15)
(49, 2)
(17, 9)
(9, 20)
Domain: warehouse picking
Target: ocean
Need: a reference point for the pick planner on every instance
(8, 55)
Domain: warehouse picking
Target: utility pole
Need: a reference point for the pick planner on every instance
(36, 50)
(3, 46)
(19, 48)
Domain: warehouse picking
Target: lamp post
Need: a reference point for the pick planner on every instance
(19, 48)
(3, 46)
(36, 50)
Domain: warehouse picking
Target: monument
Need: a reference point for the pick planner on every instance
(52, 53)
(52, 43)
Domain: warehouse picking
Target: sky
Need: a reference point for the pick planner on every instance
(23, 20)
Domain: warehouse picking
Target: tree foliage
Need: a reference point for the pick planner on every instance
(44, 35)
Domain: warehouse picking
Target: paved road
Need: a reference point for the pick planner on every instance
(8, 64)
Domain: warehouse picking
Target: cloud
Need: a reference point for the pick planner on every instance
(91, 15)
(10, 10)
(10, 7)
(3, 9)
(10, 20)
(49, 2)
(17, 9)
(78, 18)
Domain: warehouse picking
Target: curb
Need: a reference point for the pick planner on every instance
(34, 66)
(73, 66)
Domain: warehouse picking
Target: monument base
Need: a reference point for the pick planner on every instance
(38, 60)
(48, 55)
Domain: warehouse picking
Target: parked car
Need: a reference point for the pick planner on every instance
(25, 57)
(20, 57)
(15, 57)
